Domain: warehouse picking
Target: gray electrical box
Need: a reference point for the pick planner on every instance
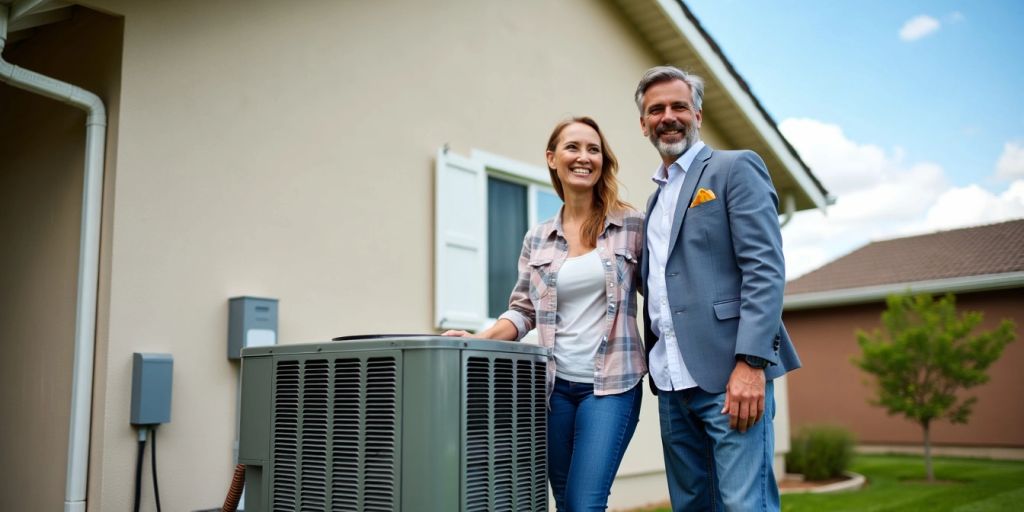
(151, 388)
(252, 322)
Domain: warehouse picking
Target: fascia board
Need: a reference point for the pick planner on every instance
(866, 294)
(674, 13)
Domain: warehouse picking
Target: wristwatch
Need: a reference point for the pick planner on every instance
(759, 363)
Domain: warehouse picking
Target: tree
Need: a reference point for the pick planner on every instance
(924, 355)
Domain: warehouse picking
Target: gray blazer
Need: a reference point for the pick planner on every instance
(725, 270)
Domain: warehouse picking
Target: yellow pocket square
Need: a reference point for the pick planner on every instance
(703, 195)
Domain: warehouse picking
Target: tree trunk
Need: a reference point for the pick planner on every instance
(928, 453)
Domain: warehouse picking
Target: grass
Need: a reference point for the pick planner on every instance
(896, 483)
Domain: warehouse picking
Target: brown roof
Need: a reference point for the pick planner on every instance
(974, 251)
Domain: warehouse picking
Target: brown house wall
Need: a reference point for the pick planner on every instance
(829, 389)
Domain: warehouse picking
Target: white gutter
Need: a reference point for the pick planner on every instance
(879, 293)
(88, 260)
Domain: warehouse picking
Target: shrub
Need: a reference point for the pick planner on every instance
(820, 452)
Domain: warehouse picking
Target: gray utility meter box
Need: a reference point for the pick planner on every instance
(252, 322)
(152, 375)
(389, 423)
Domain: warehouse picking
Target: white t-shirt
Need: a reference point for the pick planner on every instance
(581, 310)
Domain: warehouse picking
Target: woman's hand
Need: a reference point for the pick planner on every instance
(503, 329)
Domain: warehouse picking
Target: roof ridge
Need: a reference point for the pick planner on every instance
(946, 231)
(993, 248)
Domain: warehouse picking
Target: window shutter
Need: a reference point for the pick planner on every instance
(460, 242)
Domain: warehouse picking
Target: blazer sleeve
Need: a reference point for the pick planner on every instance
(757, 241)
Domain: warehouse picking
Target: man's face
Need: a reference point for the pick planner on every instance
(669, 118)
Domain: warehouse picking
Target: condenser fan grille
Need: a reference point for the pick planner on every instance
(505, 435)
(334, 435)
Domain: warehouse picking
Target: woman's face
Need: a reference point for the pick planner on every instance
(577, 158)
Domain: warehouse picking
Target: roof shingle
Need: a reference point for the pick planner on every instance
(974, 251)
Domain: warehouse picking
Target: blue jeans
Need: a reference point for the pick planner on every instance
(587, 436)
(709, 465)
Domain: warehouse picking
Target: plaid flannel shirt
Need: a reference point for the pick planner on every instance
(620, 362)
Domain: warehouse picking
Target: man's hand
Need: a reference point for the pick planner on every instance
(457, 333)
(744, 396)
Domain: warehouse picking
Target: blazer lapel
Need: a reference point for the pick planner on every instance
(686, 192)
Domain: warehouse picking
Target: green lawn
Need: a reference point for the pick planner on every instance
(895, 483)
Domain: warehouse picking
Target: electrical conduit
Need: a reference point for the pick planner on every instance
(88, 259)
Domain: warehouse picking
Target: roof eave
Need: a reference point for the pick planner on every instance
(866, 294)
(738, 94)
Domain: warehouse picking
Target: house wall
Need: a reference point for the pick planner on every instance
(42, 143)
(829, 389)
(273, 149)
(287, 152)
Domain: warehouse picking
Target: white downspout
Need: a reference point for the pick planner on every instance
(88, 260)
(788, 208)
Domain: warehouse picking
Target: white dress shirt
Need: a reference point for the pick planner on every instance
(667, 367)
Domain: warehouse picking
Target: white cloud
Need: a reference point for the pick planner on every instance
(879, 195)
(973, 205)
(919, 26)
(1011, 162)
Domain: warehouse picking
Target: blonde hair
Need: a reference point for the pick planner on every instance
(606, 190)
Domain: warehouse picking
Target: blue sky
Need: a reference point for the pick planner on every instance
(911, 112)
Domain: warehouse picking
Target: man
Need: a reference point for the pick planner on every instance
(713, 275)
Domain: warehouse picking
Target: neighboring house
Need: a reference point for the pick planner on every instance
(983, 266)
(293, 150)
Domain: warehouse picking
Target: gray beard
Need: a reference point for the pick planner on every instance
(676, 149)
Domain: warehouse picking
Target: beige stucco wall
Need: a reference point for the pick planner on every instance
(42, 143)
(286, 150)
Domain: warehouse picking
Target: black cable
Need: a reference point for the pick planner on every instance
(138, 471)
(156, 490)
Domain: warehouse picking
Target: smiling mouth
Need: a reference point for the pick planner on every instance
(671, 132)
(580, 171)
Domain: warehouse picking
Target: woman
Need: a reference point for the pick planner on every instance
(577, 285)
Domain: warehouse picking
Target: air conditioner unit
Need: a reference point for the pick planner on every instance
(389, 423)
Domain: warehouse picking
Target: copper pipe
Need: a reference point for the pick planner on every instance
(235, 491)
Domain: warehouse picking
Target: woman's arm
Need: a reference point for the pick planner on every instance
(503, 329)
(520, 307)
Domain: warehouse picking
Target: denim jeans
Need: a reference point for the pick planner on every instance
(587, 436)
(710, 466)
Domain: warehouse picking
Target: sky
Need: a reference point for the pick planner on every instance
(911, 113)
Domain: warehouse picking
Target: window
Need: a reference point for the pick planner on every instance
(484, 206)
(511, 209)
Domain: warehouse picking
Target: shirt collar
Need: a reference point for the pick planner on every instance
(683, 163)
(613, 217)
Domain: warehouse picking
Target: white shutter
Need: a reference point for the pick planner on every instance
(460, 242)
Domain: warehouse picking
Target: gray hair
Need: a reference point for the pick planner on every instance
(660, 74)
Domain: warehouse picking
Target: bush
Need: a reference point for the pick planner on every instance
(820, 452)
